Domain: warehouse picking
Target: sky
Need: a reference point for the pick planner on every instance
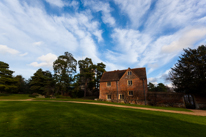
(119, 33)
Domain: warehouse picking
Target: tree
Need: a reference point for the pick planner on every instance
(189, 73)
(161, 88)
(77, 91)
(151, 87)
(87, 74)
(21, 84)
(7, 82)
(64, 68)
(100, 69)
(42, 82)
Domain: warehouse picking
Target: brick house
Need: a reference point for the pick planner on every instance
(130, 86)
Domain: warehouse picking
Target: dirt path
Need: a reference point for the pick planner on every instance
(194, 112)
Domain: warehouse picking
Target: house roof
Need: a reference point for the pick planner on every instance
(117, 74)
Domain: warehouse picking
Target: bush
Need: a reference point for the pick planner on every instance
(60, 96)
(34, 95)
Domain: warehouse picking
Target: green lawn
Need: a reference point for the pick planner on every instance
(87, 100)
(69, 119)
(26, 96)
(14, 96)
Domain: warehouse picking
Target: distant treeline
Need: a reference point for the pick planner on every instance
(64, 80)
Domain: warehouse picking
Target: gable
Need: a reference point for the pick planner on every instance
(131, 75)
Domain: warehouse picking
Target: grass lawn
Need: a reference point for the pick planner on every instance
(14, 96)
(87, 100)
(26, 96)
(69, 119)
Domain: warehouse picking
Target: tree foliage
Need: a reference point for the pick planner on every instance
(189, 73)
(100, 69)
(21, 84)
(64, 68)
(87, 74)
(7, 82)
(42, 82)
(159, 88)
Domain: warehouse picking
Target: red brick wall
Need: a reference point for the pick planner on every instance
(105, 90)
(124, 88)
(136, 87)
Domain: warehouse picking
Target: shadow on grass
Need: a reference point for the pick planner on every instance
(68, 119)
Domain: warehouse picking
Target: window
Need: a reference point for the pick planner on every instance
(108, 83)
(129, 73)
(130, 93)
(108, 96)
(129, 82)
(121, 96)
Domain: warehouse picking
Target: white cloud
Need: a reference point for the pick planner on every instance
(27, 25)
(104, 8)
(152, 80)
(130, 45)
(5, 49)
(171, 14)
(98, 34)
(38, 43)
(186, 40)
(61, 3)
(24, 54)
(47, 60)
(135, 9)
(58, 3)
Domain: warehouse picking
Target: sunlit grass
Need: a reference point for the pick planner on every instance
(135, 105)
(26, 96)
(69, 119)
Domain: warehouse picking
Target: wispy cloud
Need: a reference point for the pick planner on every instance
(135, 9)
(38, 43)
(104, 7)
(5, 49)
(151, 34)
(186, 40)
(24, 54)
(58, 3)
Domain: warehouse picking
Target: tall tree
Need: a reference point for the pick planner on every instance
(42, 82)
(21, 84)
(100, 69)
(7, 82)
(189, 73)
(87, 74)
(64, 68)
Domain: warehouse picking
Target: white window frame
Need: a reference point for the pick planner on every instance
(120, 96)
(129, 82)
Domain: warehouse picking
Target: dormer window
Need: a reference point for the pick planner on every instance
(129, 73)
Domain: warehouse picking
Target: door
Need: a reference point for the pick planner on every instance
(189, 101)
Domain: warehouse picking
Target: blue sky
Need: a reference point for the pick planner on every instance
(120, 33)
